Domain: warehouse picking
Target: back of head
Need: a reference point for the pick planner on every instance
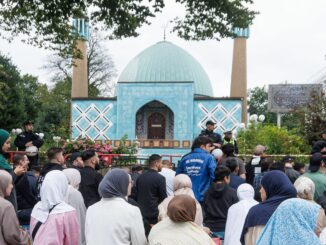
(114, 184)
(277, 184)
(259, 150)
(53, 152)
(232, 164)
(199, 141)
(182, 208)
(305, 188)
(245, 191)
(217, 153)
(228, 149)
(17, 158)
(136, 168)
(166, 163)
(153, 159)
(181, 181)
(298, 166)
(73, 177)
(316, 161)
(279, 165)
(5, 180)
(54, 188)
(221, 172)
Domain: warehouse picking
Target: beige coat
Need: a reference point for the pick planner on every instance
(10, 232)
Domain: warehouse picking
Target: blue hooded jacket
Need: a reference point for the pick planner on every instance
(199, 165)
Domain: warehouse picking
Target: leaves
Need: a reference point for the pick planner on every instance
(46, 23)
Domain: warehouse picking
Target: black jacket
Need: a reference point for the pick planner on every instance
(25, 137)
(25, 197)
(90, 180)
(215, 137)
(46, 168)
(217, 201)
(151, 191)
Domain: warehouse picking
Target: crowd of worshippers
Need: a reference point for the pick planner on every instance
(211, 196)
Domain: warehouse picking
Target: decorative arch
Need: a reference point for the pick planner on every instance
(154, 120)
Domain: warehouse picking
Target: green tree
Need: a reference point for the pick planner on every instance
(12, 110)
(46, 23)
(277, 140)
(101, 68)
(258, 101)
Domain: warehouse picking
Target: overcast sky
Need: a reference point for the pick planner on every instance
(287, 43)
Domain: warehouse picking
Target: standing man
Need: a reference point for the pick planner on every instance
(209, 132)
(56, 161)
(90, 178)
(26, 140)
(199, 165)
(228, 139)
(169, 175)
(151, 191)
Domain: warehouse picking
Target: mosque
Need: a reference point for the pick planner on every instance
(163, 99)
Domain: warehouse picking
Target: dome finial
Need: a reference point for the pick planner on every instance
(165, 27)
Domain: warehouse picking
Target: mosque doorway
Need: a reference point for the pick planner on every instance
(156, 126)
(154, 120)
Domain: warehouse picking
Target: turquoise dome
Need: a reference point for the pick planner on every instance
(166, 62)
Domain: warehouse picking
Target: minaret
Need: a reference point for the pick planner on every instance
(79, 87)
(239, 69)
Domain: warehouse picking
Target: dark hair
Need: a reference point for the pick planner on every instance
(266, 163)
(228, 149)
(52, 152)
(37, 168)
(17, 158)
(136, 168)
(279, 165)
(199, 141)
(298, 165)
(221, 172)
(153, 159)
(87, 154)
(232, 163)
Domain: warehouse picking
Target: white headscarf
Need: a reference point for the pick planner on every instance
(73, 176)
(53, 191)
(237, 214)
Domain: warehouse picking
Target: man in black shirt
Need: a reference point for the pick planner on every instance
(28, 139)
(55, 162)
(151, 190)
(209, 132)
(90, 178)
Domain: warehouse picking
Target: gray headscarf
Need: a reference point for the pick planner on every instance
(114, 184)
(5, 180)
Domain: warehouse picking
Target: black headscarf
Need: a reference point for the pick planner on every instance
(278, 188)
(114, 184)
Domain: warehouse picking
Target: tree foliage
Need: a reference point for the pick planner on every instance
(258, 101)
(46, 23)
(101, 68)
(277, 140)
(12, 110)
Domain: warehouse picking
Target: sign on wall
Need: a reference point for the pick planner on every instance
(283, 98)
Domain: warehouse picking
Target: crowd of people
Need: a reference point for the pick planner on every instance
(211, 196)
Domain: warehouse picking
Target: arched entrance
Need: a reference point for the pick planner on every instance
(156, 126)
(154, 120)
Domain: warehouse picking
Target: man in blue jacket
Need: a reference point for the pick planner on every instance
(199, 165)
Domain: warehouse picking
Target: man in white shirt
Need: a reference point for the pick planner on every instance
(169, 175)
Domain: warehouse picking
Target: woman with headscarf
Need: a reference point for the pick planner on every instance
(179, 227)
(237, 214)
(53, 220)
(306, 190)
(75, 199)
(181, 186)
(275, 188)
(113, 220)
(10, 232)
(5, 140)
(294, 222)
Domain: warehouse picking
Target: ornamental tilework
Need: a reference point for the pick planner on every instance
(95, 119)
(225, 113)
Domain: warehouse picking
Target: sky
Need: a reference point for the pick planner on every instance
(287, 44)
